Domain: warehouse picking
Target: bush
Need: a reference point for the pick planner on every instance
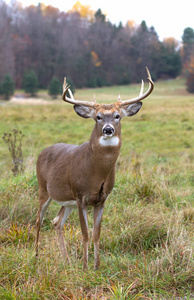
(7, 87)
(54, 88)
(30, 82)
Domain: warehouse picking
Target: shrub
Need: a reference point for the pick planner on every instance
(30, 82)
(7, 87)
(54, 88)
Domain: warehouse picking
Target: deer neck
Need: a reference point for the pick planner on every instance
(104, 151)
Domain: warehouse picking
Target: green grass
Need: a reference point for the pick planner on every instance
(147, 239)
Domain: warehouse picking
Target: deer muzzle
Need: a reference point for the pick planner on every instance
(108, 130)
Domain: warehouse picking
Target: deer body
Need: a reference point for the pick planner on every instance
(81, 176)
(70, 180)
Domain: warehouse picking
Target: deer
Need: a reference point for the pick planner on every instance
(78, 176)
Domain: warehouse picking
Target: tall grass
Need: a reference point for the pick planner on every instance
(147, 230)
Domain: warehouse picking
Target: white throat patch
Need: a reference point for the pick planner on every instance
(109, 141)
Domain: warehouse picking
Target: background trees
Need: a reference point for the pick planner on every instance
(83, 45)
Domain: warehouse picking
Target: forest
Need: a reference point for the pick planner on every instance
(85, 46)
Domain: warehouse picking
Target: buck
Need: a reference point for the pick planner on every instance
(81, 176)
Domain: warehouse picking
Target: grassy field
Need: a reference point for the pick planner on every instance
(147, 240)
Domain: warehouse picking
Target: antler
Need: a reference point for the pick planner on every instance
(141, 95)
(71, 100)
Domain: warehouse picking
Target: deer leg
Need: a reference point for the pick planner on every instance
(59, 222)
(98, 211)
(84, 228)
(45, 200)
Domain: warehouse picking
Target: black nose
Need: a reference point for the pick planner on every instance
(108, 130)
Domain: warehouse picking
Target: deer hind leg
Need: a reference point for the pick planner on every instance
(45, 200)
(98, 211)
(59, 222)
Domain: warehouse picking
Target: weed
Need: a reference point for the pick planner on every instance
(14, 142)
(6, 294)
(121, 292)
(20, 233)
(188, 215)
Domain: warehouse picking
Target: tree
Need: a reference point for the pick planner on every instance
(6, 53)
(171, 61)
(188, 45)
(54, 87)
(30, 82)
(99, 16)
(7, 87)
(190, 76)
(188, 36)
(84, 10)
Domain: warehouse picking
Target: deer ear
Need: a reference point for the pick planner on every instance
(84, 111)
(131, 109)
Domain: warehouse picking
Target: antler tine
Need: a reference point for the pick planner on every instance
(148, 72)
(142, 86)
(71, 94)
(94, 99)
(141, 95)
(64, 84)
(71, 100)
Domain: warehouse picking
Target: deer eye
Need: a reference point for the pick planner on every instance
(98, 118)
(117, 117)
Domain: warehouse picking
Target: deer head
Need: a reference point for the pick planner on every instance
(108, 116)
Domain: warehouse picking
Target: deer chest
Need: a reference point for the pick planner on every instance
(95, 199)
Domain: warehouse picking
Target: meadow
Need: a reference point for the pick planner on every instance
(147, 237)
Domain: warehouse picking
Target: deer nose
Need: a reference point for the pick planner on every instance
(108, 130)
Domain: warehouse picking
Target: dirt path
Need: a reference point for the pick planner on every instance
(23, 101)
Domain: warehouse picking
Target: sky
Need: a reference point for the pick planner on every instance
(169, 17)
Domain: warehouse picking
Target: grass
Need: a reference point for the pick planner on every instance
(147, 239)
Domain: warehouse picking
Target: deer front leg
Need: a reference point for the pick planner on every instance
(98, 211)
(84, 228)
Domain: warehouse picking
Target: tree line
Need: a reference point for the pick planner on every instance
(87, 48)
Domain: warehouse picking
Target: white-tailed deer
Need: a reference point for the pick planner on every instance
(80, 176)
